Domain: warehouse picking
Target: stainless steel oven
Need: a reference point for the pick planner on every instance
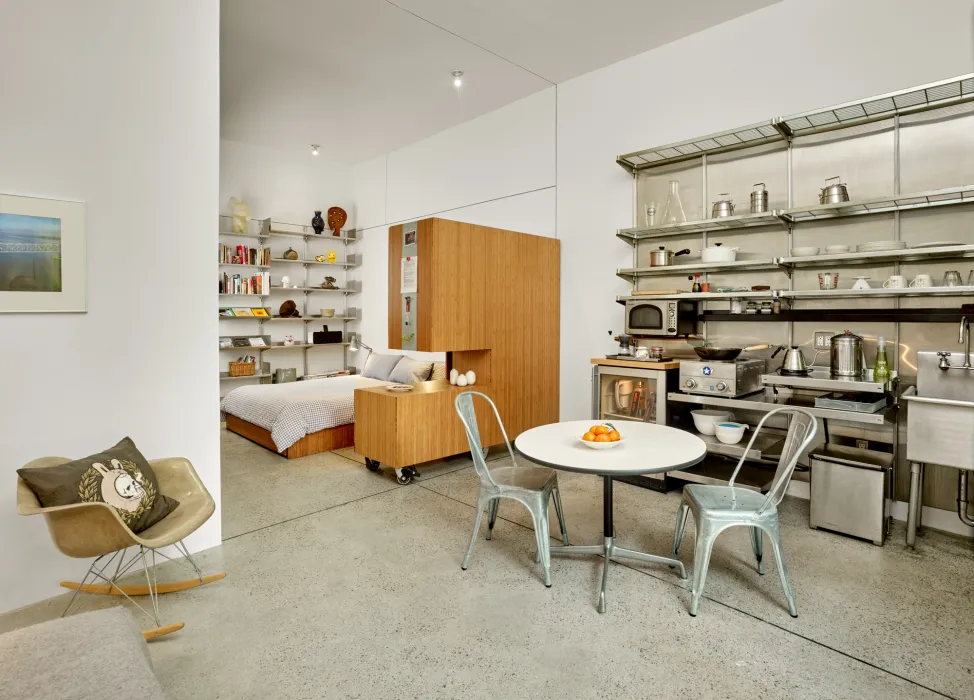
(661, 317)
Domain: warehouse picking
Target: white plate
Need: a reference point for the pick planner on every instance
(602, 445)
(804, 251)
(938, 244)
(880, 246)
(836, 249)
(400, 387)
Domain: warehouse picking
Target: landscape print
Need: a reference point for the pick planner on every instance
(30, 253)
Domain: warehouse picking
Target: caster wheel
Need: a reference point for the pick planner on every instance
(404, 478)
(371, 464)
(412, 471)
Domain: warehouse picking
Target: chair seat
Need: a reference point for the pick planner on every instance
(192, 511)
(523, 477)
(724, 502)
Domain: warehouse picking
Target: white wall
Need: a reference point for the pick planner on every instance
(787, 58)
(497, 170)
(116, 104)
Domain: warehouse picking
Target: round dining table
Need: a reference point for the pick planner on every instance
(645, 448)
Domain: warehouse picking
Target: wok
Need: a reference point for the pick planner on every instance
(724, 354)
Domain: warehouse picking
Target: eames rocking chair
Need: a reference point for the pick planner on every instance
(85, 530)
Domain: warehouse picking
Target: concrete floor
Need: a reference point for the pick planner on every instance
(343, 584)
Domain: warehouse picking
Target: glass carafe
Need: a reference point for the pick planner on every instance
(673, 211)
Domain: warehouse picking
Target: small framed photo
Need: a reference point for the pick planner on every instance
(257, 342)
(226, 312)
(409, 238)
(226, 343)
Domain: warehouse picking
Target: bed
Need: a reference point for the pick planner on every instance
(297, 419)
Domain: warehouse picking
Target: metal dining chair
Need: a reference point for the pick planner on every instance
(531, 485)
(717, 508)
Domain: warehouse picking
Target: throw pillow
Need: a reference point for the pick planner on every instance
(438, 372)
(119, 476)
(409, 370)
(380, 366)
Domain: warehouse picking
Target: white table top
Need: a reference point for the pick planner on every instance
(646, 448)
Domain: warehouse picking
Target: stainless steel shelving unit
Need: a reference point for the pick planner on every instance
(879, 293)
(767, 401)
(634, 273)
(723, 223)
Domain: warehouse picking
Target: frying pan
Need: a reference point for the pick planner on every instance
(724, 354)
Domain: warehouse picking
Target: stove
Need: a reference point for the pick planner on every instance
(729, 379)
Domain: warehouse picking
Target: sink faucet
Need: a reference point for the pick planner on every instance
(965, 330)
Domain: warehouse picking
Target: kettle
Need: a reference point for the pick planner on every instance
(793, 362)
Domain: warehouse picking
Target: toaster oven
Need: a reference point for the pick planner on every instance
(661, 317)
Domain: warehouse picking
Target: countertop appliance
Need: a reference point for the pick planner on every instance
(793, 363)
(660, 317)
(730, 379)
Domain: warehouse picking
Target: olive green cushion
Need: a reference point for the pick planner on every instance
(119, 476)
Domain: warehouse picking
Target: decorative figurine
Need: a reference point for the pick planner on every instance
(285, 282)
(291, 254)
(332, 256)
(289, 310)
(336, 219)
(317, 223)
(289, 340)
(329, 283)
(319, 258)
(240, 211)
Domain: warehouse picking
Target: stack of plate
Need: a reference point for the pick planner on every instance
(880, 246)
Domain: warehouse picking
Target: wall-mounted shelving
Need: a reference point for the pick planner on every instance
(960, 291)
(767, 401)
(634, 273)
(723, 223)
(851, 316)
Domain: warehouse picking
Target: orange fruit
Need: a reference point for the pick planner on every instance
(614, 436)
(589, 436)
(604, 437)
(601, 430)
(594, 430)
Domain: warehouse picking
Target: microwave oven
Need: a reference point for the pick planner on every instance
(661, 317)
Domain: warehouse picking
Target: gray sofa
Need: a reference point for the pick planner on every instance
(98, 654)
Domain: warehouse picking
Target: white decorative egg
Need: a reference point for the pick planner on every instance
(471, 377)
(462, 380)
(453, 376)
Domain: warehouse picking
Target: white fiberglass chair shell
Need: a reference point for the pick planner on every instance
(717, 508)
(531, 485)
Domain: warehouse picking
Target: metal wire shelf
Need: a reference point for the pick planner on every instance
(878, 205)
(631, 235)
(742, 137)
(633, 273)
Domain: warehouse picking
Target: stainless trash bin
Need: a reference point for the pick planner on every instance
(850, 491)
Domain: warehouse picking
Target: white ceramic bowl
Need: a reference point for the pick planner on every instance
(835, 249)
(327, 313)
(804, 251)
(718, 253)
(730, 433)
(705, 420)
(602, 445)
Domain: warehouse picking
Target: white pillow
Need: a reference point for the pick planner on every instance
(409, 370)
(380, 366)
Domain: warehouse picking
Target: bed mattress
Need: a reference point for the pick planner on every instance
(292, 410)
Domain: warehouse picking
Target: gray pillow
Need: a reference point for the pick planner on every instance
(409, 370)
(380, 366)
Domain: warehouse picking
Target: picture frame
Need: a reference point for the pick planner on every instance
(226, 312)
(43, 267)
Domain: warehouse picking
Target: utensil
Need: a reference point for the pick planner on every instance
(718, 253)
(834, 193)
(724, 354)
(723, 207)
(759, 199)
(664, 257)
(793, 362)
(828, 280)
(846, 357)
(925, 281)
(706, 420)
(601, 445)
(862, 283)
(952, 278)
(837, 249)
(730, 433)
(804, 251)
(899, 282)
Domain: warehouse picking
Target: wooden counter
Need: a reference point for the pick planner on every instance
(635, 364)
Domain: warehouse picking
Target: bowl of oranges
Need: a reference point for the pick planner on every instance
(603, 436)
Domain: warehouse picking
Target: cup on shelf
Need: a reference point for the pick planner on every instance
(705, 286)
(828, 280)
(922, 281)
(952, 278)
(895, 282)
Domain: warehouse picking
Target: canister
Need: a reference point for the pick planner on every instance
(759, 199)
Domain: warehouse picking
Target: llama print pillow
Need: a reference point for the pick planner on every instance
(120, 476)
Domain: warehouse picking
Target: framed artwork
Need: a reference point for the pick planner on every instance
(42, 255)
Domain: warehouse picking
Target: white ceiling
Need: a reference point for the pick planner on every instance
(362, 77)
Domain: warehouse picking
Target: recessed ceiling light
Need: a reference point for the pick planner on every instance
(458, 79)
(315, 149)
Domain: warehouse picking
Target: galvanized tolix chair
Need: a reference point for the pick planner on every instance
(717, 508)
(531, 485)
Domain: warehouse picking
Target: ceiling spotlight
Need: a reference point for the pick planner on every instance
(315, 149)
(457, 79)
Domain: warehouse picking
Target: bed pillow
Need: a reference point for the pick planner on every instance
(380, 366)
(439, 371)
(409, 370)
(119, 476)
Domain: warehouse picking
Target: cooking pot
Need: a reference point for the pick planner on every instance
(832, 194)
(846, 356)
(723, 207)
(793, 362)
(664, 257)
(718, 253)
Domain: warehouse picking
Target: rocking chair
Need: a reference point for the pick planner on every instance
(83, 530)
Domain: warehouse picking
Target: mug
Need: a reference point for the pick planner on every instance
(828, 280)
(705, 286)
(922, 281)
(952, 279)
(895, 282)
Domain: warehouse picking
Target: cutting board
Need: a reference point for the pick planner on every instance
(641, 292)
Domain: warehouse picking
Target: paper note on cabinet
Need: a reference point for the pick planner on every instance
(407, 274)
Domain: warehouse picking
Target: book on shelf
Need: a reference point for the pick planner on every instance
(244, 255)
(242, 284)
(226, 312)
(259, 312)
(242, 312)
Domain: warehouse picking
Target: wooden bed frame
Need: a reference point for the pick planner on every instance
(311, 444)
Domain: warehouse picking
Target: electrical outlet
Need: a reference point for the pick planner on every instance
(823, 339)
(862, 444)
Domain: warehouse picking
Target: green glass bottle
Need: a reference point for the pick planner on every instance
(881, 368)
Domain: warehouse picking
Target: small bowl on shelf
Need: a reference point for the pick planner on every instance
(730, 433)
(327, 313)
(837, 249)
(705, 420)
(804, 251)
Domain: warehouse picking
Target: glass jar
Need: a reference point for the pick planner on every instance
(673, 210)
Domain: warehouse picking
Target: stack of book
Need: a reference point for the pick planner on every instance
(237, 284)
(242, 255)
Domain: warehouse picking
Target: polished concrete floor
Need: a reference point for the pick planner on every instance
(343, 584)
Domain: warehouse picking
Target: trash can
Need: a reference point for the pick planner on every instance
(850, 491)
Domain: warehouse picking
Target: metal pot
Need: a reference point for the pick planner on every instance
(793, 362)
(664, 257)
(846, 358)
(759, 199)
(723, 207)
(832, 194)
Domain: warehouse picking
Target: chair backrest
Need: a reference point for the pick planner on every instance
(468, 416)
(801, 433)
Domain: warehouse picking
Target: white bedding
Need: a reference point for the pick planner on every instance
(292, 410)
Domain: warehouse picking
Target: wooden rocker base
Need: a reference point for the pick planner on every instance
(156, 632)
(171, 587)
